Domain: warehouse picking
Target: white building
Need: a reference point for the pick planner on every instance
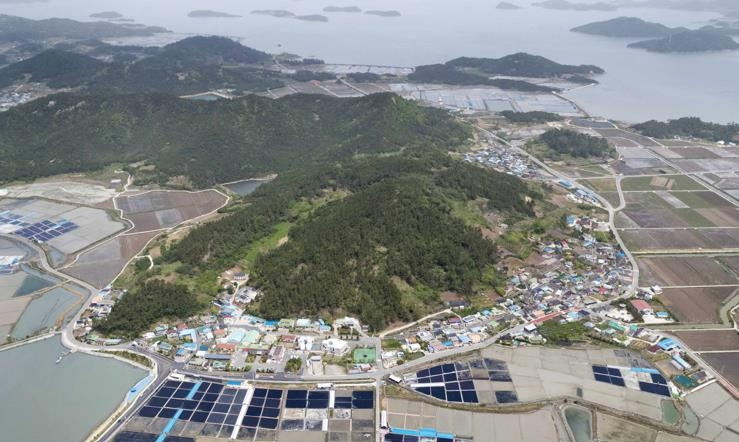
(335, 346)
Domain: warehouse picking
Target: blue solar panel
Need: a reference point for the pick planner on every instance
(435, 370)
(296, 403)
(658, 379)
(250, 421)
(363, 404)
(614, 371)
(602, 378)
(450, 377)
(424, 380)
(470, 396)
(297, 394)
(317, 403)
(438, 393)
(424, 390)
(216, 418)
(617, 381)
(437, 378)
(448, 368)
(500, 376)
(148, 411)
(423, 373)
(272, 403)
(271, 412)
(363, 394)
(167, 413)
(199, 416)
(454, 396)
(452, 386)
(467, 385)
(261, 392)
(318, 394)
(506, 397)
(268, 423)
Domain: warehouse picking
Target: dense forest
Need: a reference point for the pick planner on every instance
(445, 74)
(191, 65)
(144, 305)
(532, 117)
(252, 135)
(396, 224)
(689, 127)
(565, 142)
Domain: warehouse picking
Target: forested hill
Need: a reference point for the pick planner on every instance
(191, 65)
(210, 142)
(689, 41)
(523, 65)
(689, 127)
(23, 29)
(385, 246)
(627, 27)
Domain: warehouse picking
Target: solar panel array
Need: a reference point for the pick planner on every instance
(657, 386)
(456, 379)
(210, 404)
(609, 375)
(13, 219)
(264, 409)
(391, 437)
(46, 230)
(131, 436)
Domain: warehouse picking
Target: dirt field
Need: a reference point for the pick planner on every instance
(601, 185)
(647, 240)
(100, 265)
(613, 429)
(710, 340)
(622, 134)
(666, 182)
(696, 305)
(702, 200)
(684, 271)
(727, 364)
(161, 210)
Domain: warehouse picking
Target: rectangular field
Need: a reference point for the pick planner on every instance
(710, 340)
(701, 199)
(726, 364)
(161, 210)
(681, 271)
(652, 240)
(698, 305)
(665, 182)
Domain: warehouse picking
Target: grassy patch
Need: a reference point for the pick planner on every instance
(470, 212)
(267, 243)
(601, 184)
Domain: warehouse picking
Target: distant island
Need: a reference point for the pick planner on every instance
(312, 17)
(565, 5)
(107, 15)
(480, 71)
(280, 13)
(627, 27)
(384, 13)
(507, 6)
(205, 13)
(689, 41)
(342, 9)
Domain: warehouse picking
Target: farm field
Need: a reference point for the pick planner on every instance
(670, 271)
(702, 199)
(651, 240)
(710, 340)
(727, 364)
(601, 184)
(158, 210)
(100, 265)
(698, 305)
(620, 134)
(665, 182)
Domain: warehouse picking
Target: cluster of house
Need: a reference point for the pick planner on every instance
(565, 276)
(440, 335)
(99, 308)
(237, 341)
(504, 160)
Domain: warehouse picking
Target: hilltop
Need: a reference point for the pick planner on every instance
(57, 68)
(689, 41)
(252, 135)
(627, 27)
(564, 5)
(689, 127)
(507, 6)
